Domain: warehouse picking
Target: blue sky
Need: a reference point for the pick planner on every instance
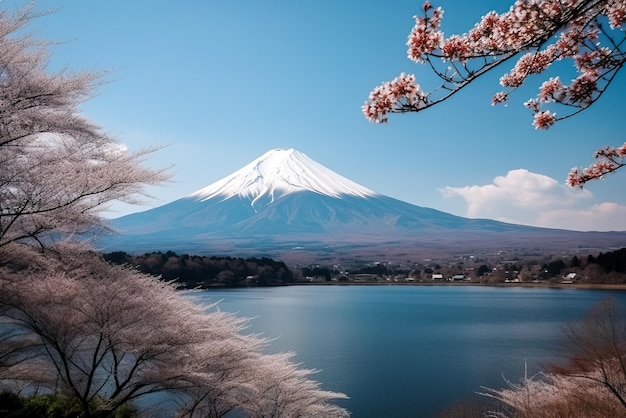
(218, 83)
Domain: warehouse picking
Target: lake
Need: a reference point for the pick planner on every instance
(411, 351)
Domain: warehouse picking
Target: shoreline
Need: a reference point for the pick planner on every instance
(585, 286)
(581, 286)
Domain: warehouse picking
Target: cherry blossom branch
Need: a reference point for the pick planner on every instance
(610, 159)
(543, 32)
(526, 27)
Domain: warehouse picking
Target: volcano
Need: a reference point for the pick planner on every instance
(285, 204)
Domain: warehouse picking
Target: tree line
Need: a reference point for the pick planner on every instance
(194, 271)
(609, 267)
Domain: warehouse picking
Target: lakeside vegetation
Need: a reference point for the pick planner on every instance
(193, 271)
(201, 271)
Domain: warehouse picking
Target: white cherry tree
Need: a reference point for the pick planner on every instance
(100, 336)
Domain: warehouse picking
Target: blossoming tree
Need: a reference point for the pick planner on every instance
(58, 169)
(71, 325)
(106, 336)
(538, 33)
(591, 384)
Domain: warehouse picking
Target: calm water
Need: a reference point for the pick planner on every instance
(410, 351)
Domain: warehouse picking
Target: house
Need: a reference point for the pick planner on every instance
(315, 279)
(362, 277)
(343, 278)
(569, 278)
(458, 278)
(437, 276)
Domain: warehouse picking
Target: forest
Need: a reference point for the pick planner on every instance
(193, 271)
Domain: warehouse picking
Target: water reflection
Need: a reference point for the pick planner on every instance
(409, 351)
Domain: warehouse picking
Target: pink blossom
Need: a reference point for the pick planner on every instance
(542, 60)
(608, 152)
(456, 47)
(542, 31)
(398, 94)
(425, 37)
(552, 9)
(422, 42)
(512, 79)
(485, 30)
(592, 60)
(616, 11)
(574, 178)
(499, 97)
(599, 169)
(543, 120)
(532, 104)
(551, 90)
(611, 153)
(436, 17)
(609, 159)
(569, 42)
(375, 110)
(531, 63)
(582, 88)
(516, 29)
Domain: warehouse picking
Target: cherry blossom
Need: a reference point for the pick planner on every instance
(616, 13)
(72, 325)
(499, 97)
(455, 48)
(593, 384)
(546, 31)
(609, 159)
(537, 34)
(58, 169)
(543, 120)
(551, 90)
(583, 88)
(78, 326)
(532, 104)
(425, 36)
(394, 96)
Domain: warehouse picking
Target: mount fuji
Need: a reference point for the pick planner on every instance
(284, 204)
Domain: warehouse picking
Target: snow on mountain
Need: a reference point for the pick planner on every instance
(284, 200)
(278, 173)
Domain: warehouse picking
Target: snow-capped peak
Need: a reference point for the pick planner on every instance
(280, 172)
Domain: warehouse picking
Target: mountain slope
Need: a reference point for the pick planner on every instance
(284, 200)
(278, 173)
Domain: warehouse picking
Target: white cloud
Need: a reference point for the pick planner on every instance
(606, 216)
(528, 198)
